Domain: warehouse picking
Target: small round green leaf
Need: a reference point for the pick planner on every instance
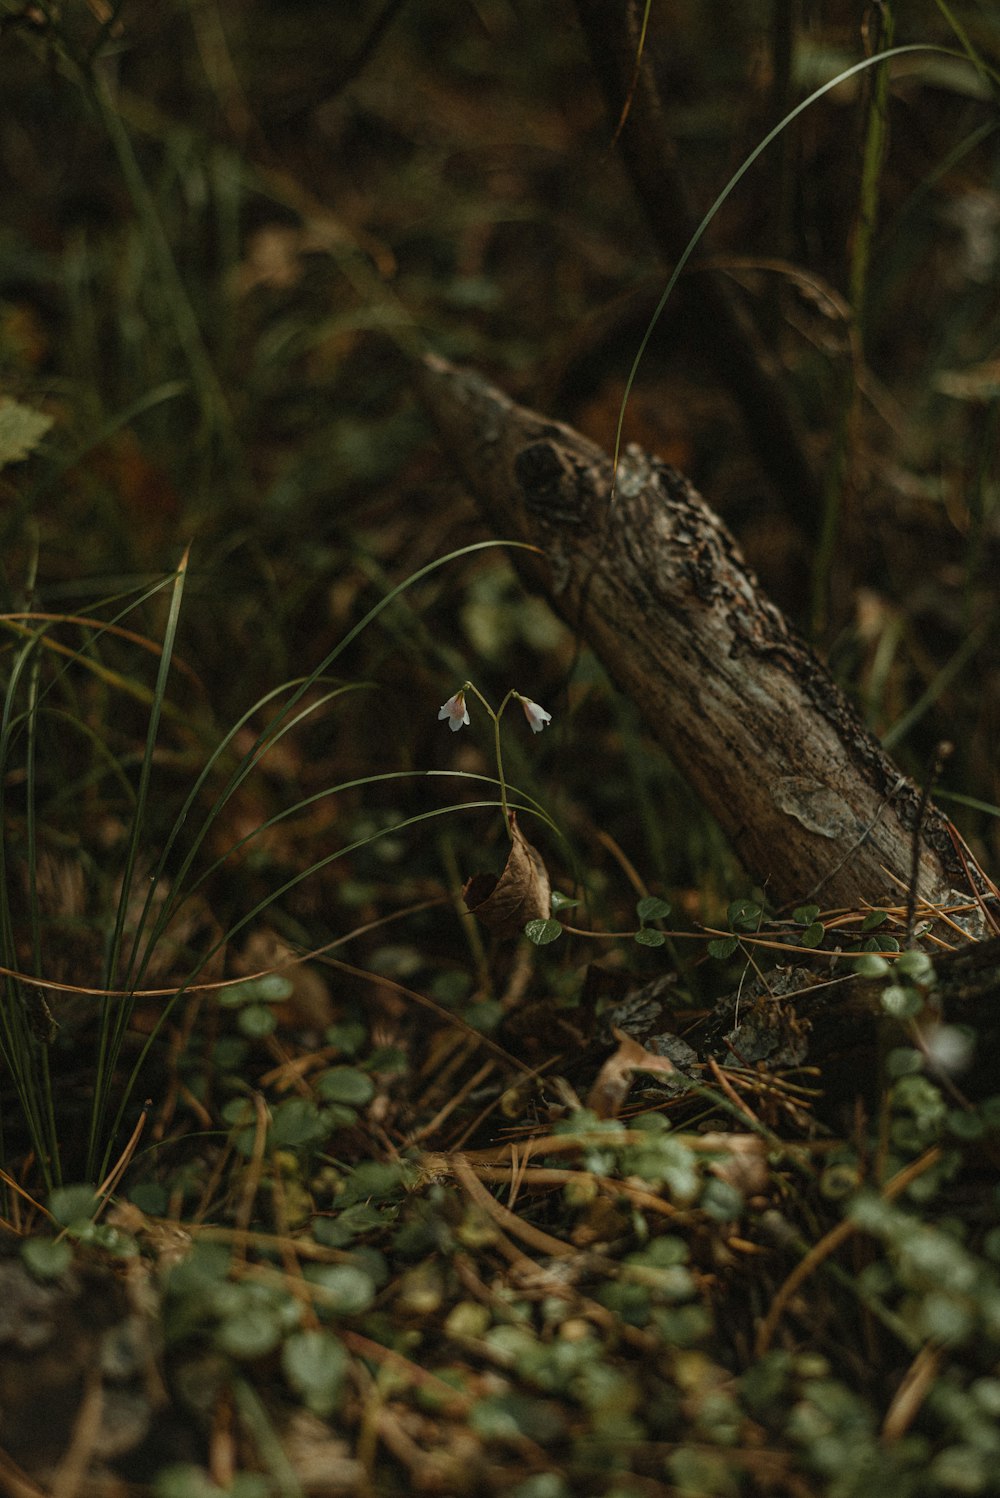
(151, 1197)
(270, 988)
(257, 1021)
(543, 932)
(647, 937)
(250, 1334)
(338, 1231)
(345, 1084)
(745, 915)
(184, 1480)
(46, 1258)
(296, 1122)
(804, 915)
(343, 1289)
(871, 966)
(813, 935)
(901, 1002)
(373, 1180)
(649, 908)
(314, 1363)
(722, 947)
(239, 1110)
(349, 1036)
(916, 966)
(559, 901)
(880, 944)
(73, 1206)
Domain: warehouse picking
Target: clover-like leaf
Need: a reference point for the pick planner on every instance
(744, 915)
(813, 935)
(543, 932)
(722, 947)
(315, 1363)
(901, 1002)
(47, 1258)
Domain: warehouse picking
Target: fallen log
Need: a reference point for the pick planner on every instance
(657, 586)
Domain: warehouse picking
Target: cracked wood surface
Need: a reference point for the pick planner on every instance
(658, 588)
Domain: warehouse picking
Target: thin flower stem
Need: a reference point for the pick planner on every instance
(501, 778)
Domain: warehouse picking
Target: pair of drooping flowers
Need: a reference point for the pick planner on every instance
(457, 713)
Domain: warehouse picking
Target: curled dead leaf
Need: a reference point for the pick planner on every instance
(521, 894)
(614, 1079)
(744, 1164)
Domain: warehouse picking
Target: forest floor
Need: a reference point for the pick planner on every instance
(311, 1182)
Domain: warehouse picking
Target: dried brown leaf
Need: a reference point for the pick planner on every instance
(521, 894)
(614, 1079)
(745, 1164)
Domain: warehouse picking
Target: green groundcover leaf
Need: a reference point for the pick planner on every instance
(542, 932)
(47, 1258)
(315, 1363)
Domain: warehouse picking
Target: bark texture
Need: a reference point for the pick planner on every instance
(657, 586)
(795, 1017)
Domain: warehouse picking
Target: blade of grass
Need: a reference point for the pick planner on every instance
(114, 1029)
(46, 1098)
(18, 1046)
(213, 404)
(837, 468)
(733, 182)
(181, 890)
(270, 735)
(942, 680)
(988, 73)
(258, 909)
(113, 1024)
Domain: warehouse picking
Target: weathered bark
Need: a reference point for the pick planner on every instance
(658, 587)
(796, 1017)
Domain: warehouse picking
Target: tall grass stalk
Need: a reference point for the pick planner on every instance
(266, 739)
(24, 1050)
(838, 463)
(24, 1057)
(734, 181)
(245, 920)
(26, 1025)
(115, 1016)
(150, 929)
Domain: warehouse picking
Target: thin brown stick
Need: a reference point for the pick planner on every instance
(828, 1245)
(542, 1243)
(17, 1484)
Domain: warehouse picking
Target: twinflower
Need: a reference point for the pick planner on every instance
(456, 711)
(536, 716)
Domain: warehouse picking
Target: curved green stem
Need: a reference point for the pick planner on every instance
(501, 778)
